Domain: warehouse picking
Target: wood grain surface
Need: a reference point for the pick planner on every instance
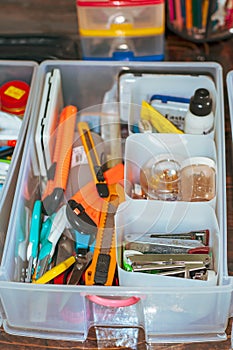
(58, 17)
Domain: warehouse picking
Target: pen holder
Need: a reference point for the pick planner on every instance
(200, 20)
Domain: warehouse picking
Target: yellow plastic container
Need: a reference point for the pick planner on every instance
(129, 29)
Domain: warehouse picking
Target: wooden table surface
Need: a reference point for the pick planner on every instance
(58, 17)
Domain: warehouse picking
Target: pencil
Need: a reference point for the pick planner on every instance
(197, 15)
(171, 11)
(188, 10)
(179, 19)
(211, 9)
(205, 7)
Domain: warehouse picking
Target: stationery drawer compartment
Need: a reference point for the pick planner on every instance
(126, 30)
(172, 309)
(128, 48)
(143, 152)
(17, 83)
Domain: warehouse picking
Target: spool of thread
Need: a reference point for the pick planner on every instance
(14, 96)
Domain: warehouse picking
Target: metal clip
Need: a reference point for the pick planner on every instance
(190, 239)
(186, 265)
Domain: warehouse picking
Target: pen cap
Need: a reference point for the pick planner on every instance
(201, 103)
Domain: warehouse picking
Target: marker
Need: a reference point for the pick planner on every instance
(6, 152)
(9, 143)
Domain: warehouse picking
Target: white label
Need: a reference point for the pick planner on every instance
(78, 156)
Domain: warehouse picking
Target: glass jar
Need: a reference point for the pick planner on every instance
(160, 179)
(198, 179)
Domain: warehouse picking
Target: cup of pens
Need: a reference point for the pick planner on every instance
(200, 20)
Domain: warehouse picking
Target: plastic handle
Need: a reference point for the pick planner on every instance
(113, 302)
(63, 148)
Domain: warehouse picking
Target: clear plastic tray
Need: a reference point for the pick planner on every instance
(67, 312)
(9, 71)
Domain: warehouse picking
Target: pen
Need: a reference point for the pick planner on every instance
(10, 143)
(6, 152)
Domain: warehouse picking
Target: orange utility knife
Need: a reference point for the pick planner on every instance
(102, 269)
(59, 171)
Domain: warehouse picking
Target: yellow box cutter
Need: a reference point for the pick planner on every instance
(103, 266)
(93, 159)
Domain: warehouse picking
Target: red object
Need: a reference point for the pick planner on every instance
(13, 97)
(11, 143)
(199, 250)
(114, 3)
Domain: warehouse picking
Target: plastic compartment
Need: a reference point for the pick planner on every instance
(67, 312)
(9, 71)
(230, 97)
(141, 148)
(157, 217)
(126, 30)
(134, 48)
(121, 18)
(229, 82)
(134, 88)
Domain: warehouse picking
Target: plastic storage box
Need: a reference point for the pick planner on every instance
(11, 71)
(122, 30)
(181, 312)
(230, 94)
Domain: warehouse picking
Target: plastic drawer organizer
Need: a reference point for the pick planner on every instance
(168, 308)
(14, 71)
(122, 30)
(229, 90)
